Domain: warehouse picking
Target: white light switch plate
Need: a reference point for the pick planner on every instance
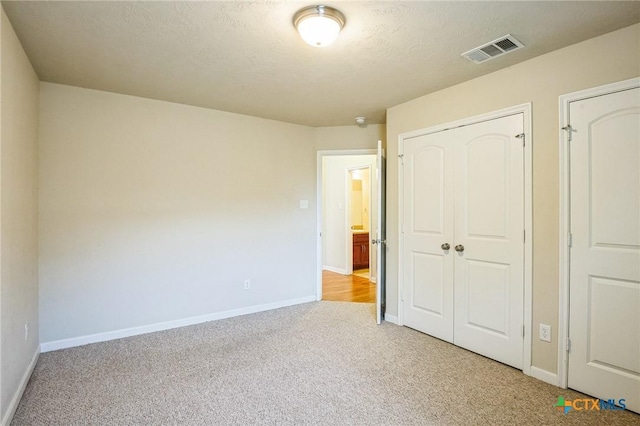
(304, 204)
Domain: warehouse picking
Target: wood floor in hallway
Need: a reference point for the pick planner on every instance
(347, 288)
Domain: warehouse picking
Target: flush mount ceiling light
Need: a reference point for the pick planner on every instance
(318, 25)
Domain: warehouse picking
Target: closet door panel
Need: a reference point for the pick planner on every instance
(489, 230)
(428, 224)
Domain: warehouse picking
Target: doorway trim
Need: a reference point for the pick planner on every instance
(524, 109)
(319, 206)
(565, 215)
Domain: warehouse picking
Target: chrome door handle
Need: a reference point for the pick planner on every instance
(460, 248)
(445, 246)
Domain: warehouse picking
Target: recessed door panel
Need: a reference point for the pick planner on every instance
(608, 322)
(427, 283)
(615, 201)
(487, 171)
(428, 190)
(487, 296)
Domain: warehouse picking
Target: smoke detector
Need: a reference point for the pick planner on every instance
(360, 120)
(497, 47)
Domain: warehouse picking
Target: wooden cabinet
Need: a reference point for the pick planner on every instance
(361, 251)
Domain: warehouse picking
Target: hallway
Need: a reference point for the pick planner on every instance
(347, 288)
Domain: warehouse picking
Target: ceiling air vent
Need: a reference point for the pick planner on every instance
(494, 49)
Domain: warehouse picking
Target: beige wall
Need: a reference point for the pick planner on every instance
(605, 59)
(349, 137)
(159, 211)
(153, 212)
(18, 217)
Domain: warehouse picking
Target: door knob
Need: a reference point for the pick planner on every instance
(445, 246)
(460, 248)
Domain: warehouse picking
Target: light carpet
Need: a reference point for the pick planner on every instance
(322, 363)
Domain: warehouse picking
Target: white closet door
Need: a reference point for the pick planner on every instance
(427, 225)
(489, 228)
(604, 322)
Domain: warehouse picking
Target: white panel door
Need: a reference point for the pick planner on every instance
(427, 227)
(489, 243)
(604, 321)
(380, 240)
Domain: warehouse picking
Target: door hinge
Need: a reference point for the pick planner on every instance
(568, 345)
(401, 157)
(569, 239)
(569, 130)
(524, 236)
(522, 329)
(521, 136)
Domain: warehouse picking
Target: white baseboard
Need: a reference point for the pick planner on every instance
(13, 405)
(336, 270)
(151, 328)
(545, 376)
(391, 318)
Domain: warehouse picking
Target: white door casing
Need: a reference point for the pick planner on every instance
(319, 206)
(495, 249)
(603, 206)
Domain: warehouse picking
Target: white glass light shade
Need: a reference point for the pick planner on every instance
(318, 30)
(319, 25)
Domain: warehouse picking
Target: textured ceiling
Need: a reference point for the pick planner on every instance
(245, 56)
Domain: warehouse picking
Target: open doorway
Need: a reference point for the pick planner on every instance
(359, 201)
(346, 210)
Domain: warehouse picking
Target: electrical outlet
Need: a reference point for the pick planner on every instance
(545, 333)
(26, 331)
(247, 284)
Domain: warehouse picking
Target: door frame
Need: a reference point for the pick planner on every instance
(524, 109)
(565, 215)
(319, 206)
